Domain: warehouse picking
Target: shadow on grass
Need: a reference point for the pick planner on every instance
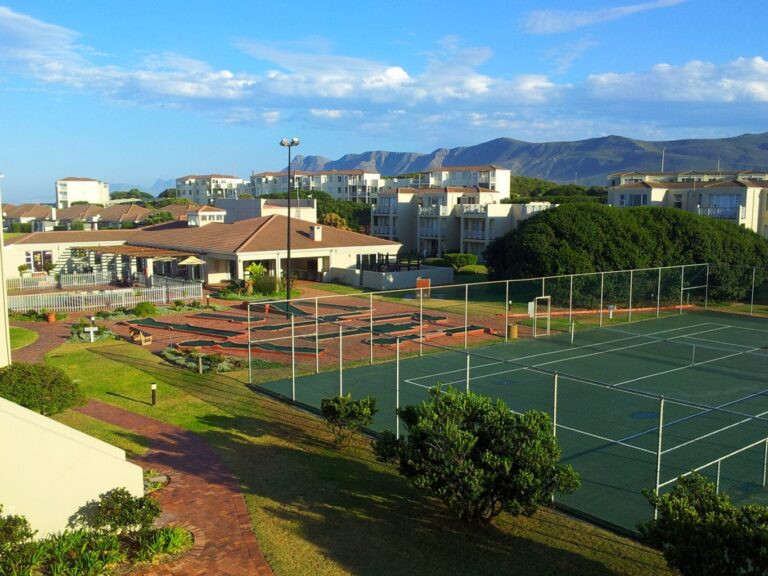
(129, 398)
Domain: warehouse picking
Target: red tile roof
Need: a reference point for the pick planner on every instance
(72, 236)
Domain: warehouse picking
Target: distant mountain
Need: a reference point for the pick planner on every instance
(588, 161)
(161, 185)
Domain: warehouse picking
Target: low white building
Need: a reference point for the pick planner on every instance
(354, 185)
(207, 188)
(487, 177)
(75, 189)
(301, 209)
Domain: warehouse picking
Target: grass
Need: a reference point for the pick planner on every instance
(318, 511)
(21, 337)
(133, 444)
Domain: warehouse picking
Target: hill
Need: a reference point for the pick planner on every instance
(586, 161)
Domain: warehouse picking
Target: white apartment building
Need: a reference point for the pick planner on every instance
(354, 185)
(434, 221)
(74, 189)
(487, 177)
(205, 189)
(739, 200)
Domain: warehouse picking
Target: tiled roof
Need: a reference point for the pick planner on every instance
(696, 185)
(482, 168)
(205, 209)
(36, 211)
(77, 179)
(264, 234)
(65, 236)
(124, 213)
(78, 212)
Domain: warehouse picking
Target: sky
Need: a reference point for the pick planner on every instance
(132, 92)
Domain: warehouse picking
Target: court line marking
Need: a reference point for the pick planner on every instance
(723, 429)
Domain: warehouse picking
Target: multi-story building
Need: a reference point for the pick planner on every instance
(74, 189)
(434, 221)
(205, 189)
(741, 198)
(486, 177)
(353, 185)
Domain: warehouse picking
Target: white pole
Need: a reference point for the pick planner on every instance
(717, 484)
(602, 286)
(466, 314)
(421, 321)
(397, 389)
(573, 331)
(570, 302)
(765, 462)
(341, 361)
(658, 295)
(631, 282)
(554, 406)
(506, 313)
(693, 354)
(682, 284)
(467, 373)
(317, 339)
(752, 299)
(658, 453)
(706, 290)
(293, 360)
(370, 321)
(250, 359)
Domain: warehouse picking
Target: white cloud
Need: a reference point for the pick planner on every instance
(555, 21)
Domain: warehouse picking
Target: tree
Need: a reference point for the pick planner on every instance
(345, 416)
(334, 220)
(168, 193)
(458, 260)
(700, 532)
(39, 387)
(255, 272)
(478, 457)
(132, 193)
(158, 218)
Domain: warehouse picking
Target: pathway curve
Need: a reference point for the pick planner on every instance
(202, 496)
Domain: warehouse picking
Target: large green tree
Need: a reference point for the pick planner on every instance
(478, 457)
(578, 238)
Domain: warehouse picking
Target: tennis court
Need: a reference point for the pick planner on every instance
(635, 404)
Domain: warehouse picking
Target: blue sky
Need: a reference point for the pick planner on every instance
(129, 92)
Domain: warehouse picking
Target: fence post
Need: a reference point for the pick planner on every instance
(706, 290)
(466, 314)
(658, 454)
(397, 389)
(765, 462)
(293, 360)
(658, 295)
(506, 313)
(317, 339)
(370, 320)
(421, 321)
(602, 291)
(631, 284)
(752, 299)
(341, 361)
(717, 483)
(468, 357)
(554, 406)
(250, 359)
(570, 302)
(682, 284)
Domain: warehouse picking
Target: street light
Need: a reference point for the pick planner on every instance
(289, 144)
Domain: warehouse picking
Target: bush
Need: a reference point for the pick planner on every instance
(78, 333)
(459, 261)
(118, 512)
(345, 416)
(442, 262)
(39, 387)
(478, 457)
(81, 552)
(701, 533)
(474, 269)
(145, 309)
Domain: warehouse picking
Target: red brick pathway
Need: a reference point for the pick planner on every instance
(50, 336)
(202, 496)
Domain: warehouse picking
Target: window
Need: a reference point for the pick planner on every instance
(37, 259)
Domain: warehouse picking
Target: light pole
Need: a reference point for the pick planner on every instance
(289, 144)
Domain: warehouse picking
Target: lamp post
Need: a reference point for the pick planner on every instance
(289, 144)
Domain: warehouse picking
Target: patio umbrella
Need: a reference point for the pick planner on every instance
(191, 261)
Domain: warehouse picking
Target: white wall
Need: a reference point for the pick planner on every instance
(348, 276)
(50, 470)
(406, 278)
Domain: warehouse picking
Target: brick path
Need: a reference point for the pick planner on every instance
(202, 496)
(50, 336)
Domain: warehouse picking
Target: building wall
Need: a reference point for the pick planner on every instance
(406, 278)
(51, 470)
(16, 254)
(257, 207)
(203, 189)
(91, 191)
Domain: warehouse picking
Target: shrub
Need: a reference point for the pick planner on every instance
(118, 512)
(701, 533)
(474, 269)
(178, 304)
(23, 267)
(18, 554)
(39, 387)
(345, 416)
(81, 552)
(78, 333)
(458, 260)
(478, 457)
(442, 262)
(145, 309)
(166, 540)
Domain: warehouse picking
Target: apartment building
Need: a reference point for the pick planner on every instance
(205, 189)
(75, 189)
(741, 198)
(434, 221)
(486, 177)
(354, 185)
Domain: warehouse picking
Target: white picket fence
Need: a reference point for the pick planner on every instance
(31, 283)
(46, 282)
(90, 279)
(104, 299)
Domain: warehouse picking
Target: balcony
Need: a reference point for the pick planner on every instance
(724, 213)
(435, 210)
(431, 233)
(474, 209)
(474, 235)
(381, 231)
(384, 209)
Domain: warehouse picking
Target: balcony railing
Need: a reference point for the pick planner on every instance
(724, 213)
(431, 233)
(381, 230)
(474, 235)
(384, 209)
(474, 209)
(435, 210)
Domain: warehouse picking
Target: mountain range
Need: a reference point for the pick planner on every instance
(587, 162)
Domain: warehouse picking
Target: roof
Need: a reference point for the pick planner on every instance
(263, 234)
(695, 185)
(138, 251)
(205, 209)
(124, 213)
(36, 211)
(208, 177)
(78, 212)
(65, 236)
(77, 179)
(481, 168)
(442, 189)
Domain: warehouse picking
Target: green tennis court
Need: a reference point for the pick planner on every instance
(604, 388)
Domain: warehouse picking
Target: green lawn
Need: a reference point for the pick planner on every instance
(21, 337)
(133, 444)
(318, 511)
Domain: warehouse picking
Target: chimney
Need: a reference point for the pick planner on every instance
(316, 232)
